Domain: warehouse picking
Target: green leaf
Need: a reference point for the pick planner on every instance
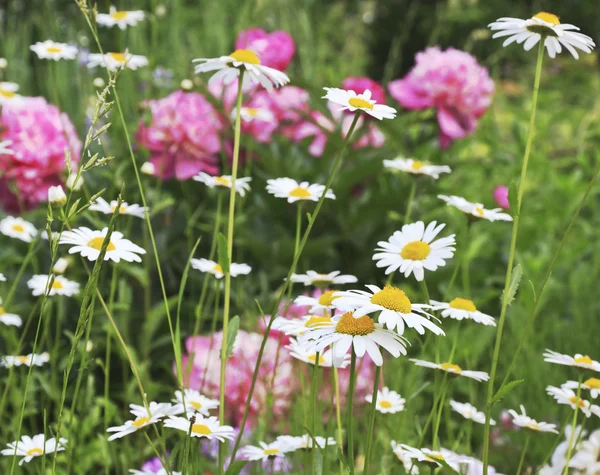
(236, 467)
(514, 284)
(444, 464)
(222, 251)
(513, 198)
(342, 458)
(504, 390)
(234, 326)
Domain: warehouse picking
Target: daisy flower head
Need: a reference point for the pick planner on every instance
(351, 101)
(523, 420)
(52, 50)
(266, 451)
(116, 61)
(475, 209)
(109, 208)
(60, 286)
(161, 471)
(569, 397)
(579, 361)
(31, 447)
(305, 441)
(315, 278)
(194, 402)
(587, 458)
(416, 167)
(144, 417)
(293, 191)
(120, 18)
(2, 278)
(388, 401)
(320, 303)
(202, 427)
(453, 369)
(18, 228)
(31, 359)
(300, 352)
(591, 384)
(249, 114)
(463, 309)
(241, 184)
(358, 334)
(212, 267)
(402, 455)
(413, 249)
(394, 307)
(434, 456)
(468, 411)
(298, 326)
(544, 27)
(228, 68)
(8, 92)
(9, 318)
(88, 243)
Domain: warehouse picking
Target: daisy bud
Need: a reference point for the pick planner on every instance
(60, 266)
(187, 85)
(56, 196)
(160, 11)
(3, 63)
(71, 185)
(89, 346)
(147, 168)
(99, 83)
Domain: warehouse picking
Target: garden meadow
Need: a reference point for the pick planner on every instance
(230, 247)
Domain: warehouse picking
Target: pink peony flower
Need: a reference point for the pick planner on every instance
(275, 50)
(501, 196)
(360, 84)
(40, 134)
(183, 137)
(452, 82)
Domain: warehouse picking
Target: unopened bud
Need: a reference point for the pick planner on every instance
(60, 266)
(71, 182)
(187, 85)
(56, 196)
(148, 168)
(99, 83)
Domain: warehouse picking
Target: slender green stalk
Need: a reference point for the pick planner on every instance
(17, 279)
(338, 415)
(573, 426)
(349, 413)
(313, 407)
(511, 258)
(522, 459)
(425, 291)
(372, 420)
(440, 409)
(411, 197)
(466, 281)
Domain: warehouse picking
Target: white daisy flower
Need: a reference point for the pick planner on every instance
(569, 398)
(394, 307)
(580, 361)
(228, 69)
(298, 326)
(358, 334)
(9, 318)
(416, 167)
(460, 309)
(27, 360)
(409, 466)
(194, 402)
(591, 384)
(434, 456)
(104, 207)
(2, 278)
(543, 26)
(18, 228)
(453, 369)
(320, 304)
(88, 243)
(314, 278)
(265, 451)
(304, 442)
(300, 352)
(351, 101)
(241, 184)
(203, 427)
(294, 191)
(8, 92)
(57, 196)
(211, 267)
(523, 420)
(388, 401)
(116, 61)
(54, 235)
(475, 209)
(31, 447)
(144, 417)
(120, 18)
(248, 114)
(161, 471)
(60, 286)
(414, 249)
(468, 411)
(587, 457)
(52, 50)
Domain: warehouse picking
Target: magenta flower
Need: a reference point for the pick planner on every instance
(360, 84)
(275, 50)
(40, 135)
(183, 137)
(452, 82)
(501, 196)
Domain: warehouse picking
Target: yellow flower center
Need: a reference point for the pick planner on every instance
(479, 211)
(592, 383)
(222, 181)
(300, 193)
(270, 452)
(35, 452)
(417, 165)
(533, 425)
(140, 422)
(118, 15)
(315, 322)
(327, 298)
(436, 456)
(201, 429)
(23, 359)
(451, 368)
(251, 111)
(118, 57)
(584, 360)
(122, 208)
(57, 285)
(463, 304)
(577, 401)
(385, 404)
(415, 251)
(349, 325)
(548, 18)
(18, 228)
(96, 243)
(392, 298)
(7, 94)
(218, 269)
(196, 405)
(313, 358)
(2, 310)
(53, 49)
(360, 103)
(245, 56)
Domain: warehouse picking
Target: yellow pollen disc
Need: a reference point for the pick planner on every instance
(2, 310)
(463, 304)
(577, 401)
(327, 298)
(417, 165)
(592, 383)
(22, 359)
(251, 111)
(385, 404)
(118, 57)
(34, 452)
(53, 49)
(7, 94)
(360, 103)
(218, 268)
(122, 208)
(584, 360)
(140, 422)
(392, 298)
(222, 181)
(18, 228)
(271, 452)
(118, 15)
(315, 322)
(479, 211)
(57, 285)
(245, 56)
(300, 193)
(201, 429)
(415, 251)
(453, 368)
(196, 405)
(96, 243)
(349, 325)
(435, 457)
(548, 18)
(533, 425)
(313, 358)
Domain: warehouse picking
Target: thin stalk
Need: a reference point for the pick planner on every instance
(349, 415)
(313, 404)
(425, 291)
(372, 420)
(17, 279)
(440, 409)
(338, 414)
(511, 258)
(411, 197)
(573, 426)
(522, 459)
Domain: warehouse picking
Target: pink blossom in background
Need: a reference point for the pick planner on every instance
(227, 94)
(275, 50)
(183, 137)
(259, 119)
(501, 196)
(452, 82)
(40, 134)
(319, 128)
(291, 103)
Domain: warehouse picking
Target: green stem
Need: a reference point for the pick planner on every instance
(372, 420)
(573, 426)
(522, 459)
(466, 281)
(511, 258)
(436, 427)
(349, 414)
(313, 403)
(425, 291)
(338, 415)
(411, 197)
